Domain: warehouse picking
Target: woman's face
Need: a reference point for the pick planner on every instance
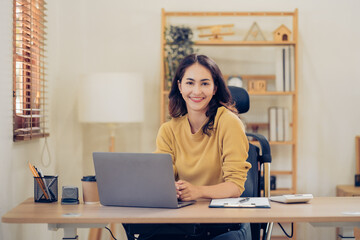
(197, 88)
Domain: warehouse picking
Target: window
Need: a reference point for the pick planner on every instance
(29, 84)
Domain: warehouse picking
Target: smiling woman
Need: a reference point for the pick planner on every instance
(29, 70)
(206, 140)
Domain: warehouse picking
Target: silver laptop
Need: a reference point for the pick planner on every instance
(136, 180)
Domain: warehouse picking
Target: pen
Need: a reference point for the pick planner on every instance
(40, 182)
(44, 181)
(244, 200)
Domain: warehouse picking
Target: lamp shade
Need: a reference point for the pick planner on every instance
(111, 98)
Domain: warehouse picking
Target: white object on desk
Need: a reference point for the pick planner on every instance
(292, 198)
(255, 202)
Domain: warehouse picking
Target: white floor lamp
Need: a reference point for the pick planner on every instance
(111, 98)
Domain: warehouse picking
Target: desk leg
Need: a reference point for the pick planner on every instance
(268, 230)
(357, 233)
(70, 233)
(70, 230)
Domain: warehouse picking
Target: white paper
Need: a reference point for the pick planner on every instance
(235, 202)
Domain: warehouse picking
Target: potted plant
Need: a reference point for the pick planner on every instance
(179, 44)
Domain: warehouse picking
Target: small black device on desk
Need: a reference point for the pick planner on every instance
(70, 195)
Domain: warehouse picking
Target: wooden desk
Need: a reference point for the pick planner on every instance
(348, 191)
(330, 211)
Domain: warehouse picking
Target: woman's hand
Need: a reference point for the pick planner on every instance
(185, 191)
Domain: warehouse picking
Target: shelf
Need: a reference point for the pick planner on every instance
(281, 172)
(242, 43)
(274, 143)
(227, 14)
(260, 125)
(278, 237)
(255, 126)
(271, 93)
(281, 143)
(282, 191)
(257, 93)
(252, 77)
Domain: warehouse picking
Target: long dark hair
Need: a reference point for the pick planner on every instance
(222, 97)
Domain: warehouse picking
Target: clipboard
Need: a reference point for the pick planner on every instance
(241, 202)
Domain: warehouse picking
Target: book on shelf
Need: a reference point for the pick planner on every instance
(279, 124)
(286, 125)
(279, 84)
(272, 124)
(284, 69)
(292, 68)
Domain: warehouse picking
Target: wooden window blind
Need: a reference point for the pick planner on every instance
(29, 83)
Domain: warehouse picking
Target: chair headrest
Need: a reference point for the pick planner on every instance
(241, 98)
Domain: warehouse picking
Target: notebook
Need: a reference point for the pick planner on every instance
(136, 180)
(241, 202)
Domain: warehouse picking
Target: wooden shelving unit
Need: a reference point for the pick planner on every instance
(191, 18)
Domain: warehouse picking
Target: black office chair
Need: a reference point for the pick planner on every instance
(253, 187)
(260, 164)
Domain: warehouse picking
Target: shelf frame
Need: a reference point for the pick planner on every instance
(229, 14)
(224, 43)
(243, 43)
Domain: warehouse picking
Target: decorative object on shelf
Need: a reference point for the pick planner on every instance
(235, 81)
(256, 86)
(282, 34)
(216, 31)
(254, 126)
(255, 34)
(179, 44)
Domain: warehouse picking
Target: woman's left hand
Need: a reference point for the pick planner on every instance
(186, 191)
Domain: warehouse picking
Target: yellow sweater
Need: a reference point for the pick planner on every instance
(203, 160)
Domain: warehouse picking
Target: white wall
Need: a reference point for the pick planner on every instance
(16, 182)
(113, 35)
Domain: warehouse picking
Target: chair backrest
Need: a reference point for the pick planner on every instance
(252, 184)
(241, 99)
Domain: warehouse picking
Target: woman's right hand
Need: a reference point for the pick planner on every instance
(185, 191)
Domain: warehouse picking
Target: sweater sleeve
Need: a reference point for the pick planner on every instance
(164, 143)
(234, 150)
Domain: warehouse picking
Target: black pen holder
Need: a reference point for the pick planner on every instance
(46, 189)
